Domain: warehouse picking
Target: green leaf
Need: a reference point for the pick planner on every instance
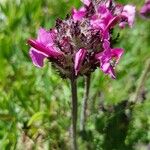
(36, 117)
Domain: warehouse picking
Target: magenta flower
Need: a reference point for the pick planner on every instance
(43, 47)
(109, 58)
(145, 10)
(101, 19)
(129, 15)
(82, 41)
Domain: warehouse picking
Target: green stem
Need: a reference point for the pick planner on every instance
(84, 103)
(74, 112)
(141, 81)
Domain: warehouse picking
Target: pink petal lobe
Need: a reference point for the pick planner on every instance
(79, 58)
(122, 24)
(117, 53)
(45, 37)
(102, 9)
(47, 50)
(129, 13)
(37, 57)
(78, 15)
(111, 73)
(105, 67)
(106, 45)
(145, 10)
(113, 22)
(86, 2)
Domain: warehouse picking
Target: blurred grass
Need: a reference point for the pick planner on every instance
(35, 107)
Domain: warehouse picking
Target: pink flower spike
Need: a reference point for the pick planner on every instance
(83, 40)
(78, 15)
(86, 2)
(37, 57)
(79, 58)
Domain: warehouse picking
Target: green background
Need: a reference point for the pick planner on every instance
(35, 104)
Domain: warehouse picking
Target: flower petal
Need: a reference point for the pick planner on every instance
(117, 53)
(129, 13)
(122, 24)
(47, 50)
(145, 10)
(102, 9)
(86, 2)
(111, 72)
(105, 67)
(106, 45)
(37, 57)
(112, 22)
(46, 37)
(79, 58)
(78, 15)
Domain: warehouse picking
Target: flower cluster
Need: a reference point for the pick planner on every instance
(145, 10)
(82, 42)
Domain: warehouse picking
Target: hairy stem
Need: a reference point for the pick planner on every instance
(74, 112)
(84, 102)
(141, 81)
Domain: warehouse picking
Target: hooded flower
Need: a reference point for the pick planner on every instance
(145, 10)
(128, 16)
(82, 41)
(43, 47)
(109, 58)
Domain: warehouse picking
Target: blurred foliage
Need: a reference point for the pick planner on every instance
(35, 103)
